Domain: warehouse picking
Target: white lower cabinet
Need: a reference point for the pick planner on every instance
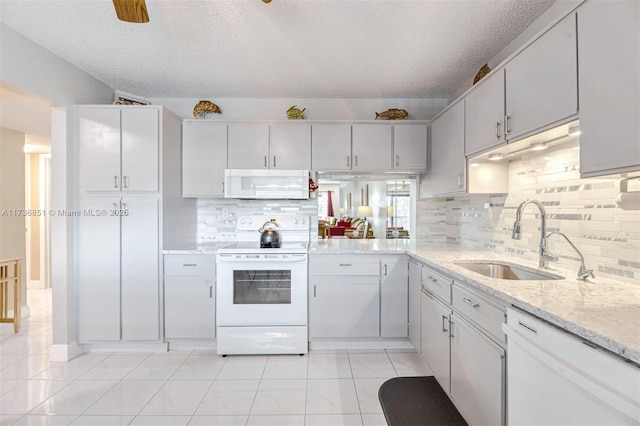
(394, 294)
(118, 270)
(477, 374)
(189, 297)
(415, 290)
(435, 338)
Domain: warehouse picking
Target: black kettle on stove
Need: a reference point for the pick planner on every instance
(269, 238)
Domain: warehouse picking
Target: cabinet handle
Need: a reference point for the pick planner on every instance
(223, 188)
(356, 161)
(115, 206)
(189, 264)
(115, 181)
(470, 302)
(265, 161)
(124, 206)
(497, 130)
(124, 181)
(444, 318)
(397, 160)
(451, 324)
(345, 264)
(433, 280)
(459, 181)
(274, 161)
(314, 291)
(507, 124)
(385, 269)
(347, 161)
(210, 292)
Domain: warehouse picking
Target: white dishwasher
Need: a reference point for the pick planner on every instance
(556, 378)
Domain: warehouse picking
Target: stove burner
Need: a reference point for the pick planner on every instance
(269, 245)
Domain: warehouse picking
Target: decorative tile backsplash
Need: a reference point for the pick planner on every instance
(583, 209)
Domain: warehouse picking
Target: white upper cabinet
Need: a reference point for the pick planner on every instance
(448, 163)
(118, 148)
(410, 147)
(609, 65)
(331, 147)
(290, 146)
(248, 146)
(484, 120)
(204, 158)
(542, 81)
(371, 147)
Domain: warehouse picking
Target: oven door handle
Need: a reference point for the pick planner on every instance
(291, 258)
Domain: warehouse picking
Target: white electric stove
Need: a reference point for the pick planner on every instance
(261, 293)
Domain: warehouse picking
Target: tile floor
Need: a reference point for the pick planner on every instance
(322, 388)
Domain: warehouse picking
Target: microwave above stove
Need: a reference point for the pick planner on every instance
(266, 184)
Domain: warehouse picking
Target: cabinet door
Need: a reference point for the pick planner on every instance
(477, 375)
(140, 270)
(248, 146)
(331, 147)
(410, 147)
(394, 294)
(99, 272)
(371, 146)
(189, 307)
(415, 289)
(542, 81)
(98, 132)
(448, 163)
(435, 338)
(609, 61)
(344, 306)
(290, 146)
(204, 158)
(484, 118)
(140, 150)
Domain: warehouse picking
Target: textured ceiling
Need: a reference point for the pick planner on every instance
(297, 49)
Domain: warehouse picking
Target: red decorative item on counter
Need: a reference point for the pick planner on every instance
(312, 185)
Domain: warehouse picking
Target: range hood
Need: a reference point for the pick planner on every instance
(266, 184)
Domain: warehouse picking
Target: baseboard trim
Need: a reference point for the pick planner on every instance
(191, 345)
(64, 353)
(125, 347)
(353, 344)
(36, 285)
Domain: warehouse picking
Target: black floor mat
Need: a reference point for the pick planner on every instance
(417, 401)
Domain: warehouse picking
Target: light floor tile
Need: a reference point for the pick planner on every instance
(115, 367)
(7, 419)
(23, 398)
(157, 367)
(7, 360)
(128, 397)
(409, 364)
(243, 367)
(367, 390)
(160, 421)
(275, 421)
(72, 369)
(286, 367)
(371, 366)
(218, 421)
(75, 398)
(280, 397)
(329, 366)
(333, 420)
(177, 397)
(102, 421)
(374, 420)
(26, 368)
(200, 367)
(229, 397)
(331, 396)
(45, 420)
(7, 385)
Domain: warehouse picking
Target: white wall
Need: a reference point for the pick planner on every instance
(12, 196)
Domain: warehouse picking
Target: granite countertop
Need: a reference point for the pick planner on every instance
(603, 311)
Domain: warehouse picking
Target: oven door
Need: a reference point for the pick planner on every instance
(261, 290)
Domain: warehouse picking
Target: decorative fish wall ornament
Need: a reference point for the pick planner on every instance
(393, 114)
(205, 107)
(295, 113)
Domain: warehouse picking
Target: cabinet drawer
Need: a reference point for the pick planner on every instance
(437, 283)
(190, 264)
(344, 265)
(480, 311)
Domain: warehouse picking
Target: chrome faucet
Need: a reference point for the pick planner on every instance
(517, 231)
(583, 272)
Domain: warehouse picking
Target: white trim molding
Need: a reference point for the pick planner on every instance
(64, 353)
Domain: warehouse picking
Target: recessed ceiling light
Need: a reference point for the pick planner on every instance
(495, 157)
(538, 146)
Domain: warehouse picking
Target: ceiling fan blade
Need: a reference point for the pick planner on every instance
(131, 11)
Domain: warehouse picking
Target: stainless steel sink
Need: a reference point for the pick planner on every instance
(506, 271)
